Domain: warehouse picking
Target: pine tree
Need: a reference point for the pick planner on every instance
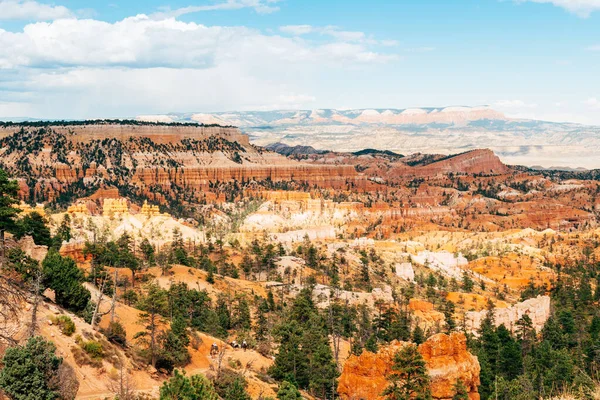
(408, 379)
(237, 391)
(154, 304)
(288, 391)
(62, 275)
(30, 371)
(126, 258)
(460, 391)
(261, 329)
(418, 335)
(34, 225)
(148, 251)
(63, 233)
(180, 387)
(8, 198)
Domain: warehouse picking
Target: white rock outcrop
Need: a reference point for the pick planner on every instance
(405, 271)
(538, 309)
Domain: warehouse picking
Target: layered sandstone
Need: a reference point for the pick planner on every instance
(446, 357)
(161, 162)
(159, 133)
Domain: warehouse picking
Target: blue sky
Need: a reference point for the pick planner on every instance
(88, 59)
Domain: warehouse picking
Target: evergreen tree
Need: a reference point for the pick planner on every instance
(154, 304)
(9, 190)
(148, 251)
(34, 225)
(261, 329)
(288, 391)
(237, 391)
(63, 233)
(223, 312)
(30, 371)
(291, 363)
(62, 275)
(460, 391)
(418, 335)
(241, 315)
(174, 341)
(408, 379)
(126, 258)
(180, 387)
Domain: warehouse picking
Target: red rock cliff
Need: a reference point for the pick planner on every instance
(447, 358)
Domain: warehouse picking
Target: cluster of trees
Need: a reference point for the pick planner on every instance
(524, 365)
(304, 357)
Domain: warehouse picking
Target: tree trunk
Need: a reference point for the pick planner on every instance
(114, 299)
(98, 303)
(36, 300)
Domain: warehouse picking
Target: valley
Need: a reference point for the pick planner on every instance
(157, 240)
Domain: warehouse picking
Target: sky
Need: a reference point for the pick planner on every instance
(73, 59)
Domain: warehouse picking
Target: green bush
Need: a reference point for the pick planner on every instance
(65, 324)
(93, 348)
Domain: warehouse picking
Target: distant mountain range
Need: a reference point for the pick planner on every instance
(446, 130)
(267, 119)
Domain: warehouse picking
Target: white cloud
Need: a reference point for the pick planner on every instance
(80, 68)
(592, 102)
(337, 33)
(297, 30)
(260, 6)
(142, 42)
(30, 10)
(582, 8)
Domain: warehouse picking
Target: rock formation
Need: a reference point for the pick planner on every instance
(538, 309)
(446, 356)
(424, 315)
(31, 249)
(149, 210)
(405, 271)
(79, 208)
(74, 249)
(27, 209)
(114, 207)
(161, 162)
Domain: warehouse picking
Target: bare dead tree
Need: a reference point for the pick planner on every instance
(113, 305)
(97, 314)
(219, 362)
(12, 296)
(123, 388)
(11, 299)
(37, 287)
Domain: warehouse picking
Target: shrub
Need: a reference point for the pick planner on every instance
(115, 332)
(94, 349)
(65, 324)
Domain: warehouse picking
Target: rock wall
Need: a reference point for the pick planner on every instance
(158, 133)
(31, 249)
(446, 356)
(537, 308)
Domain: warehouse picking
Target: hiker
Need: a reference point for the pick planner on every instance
(244, 345)
(214, 349)
(235, 344)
